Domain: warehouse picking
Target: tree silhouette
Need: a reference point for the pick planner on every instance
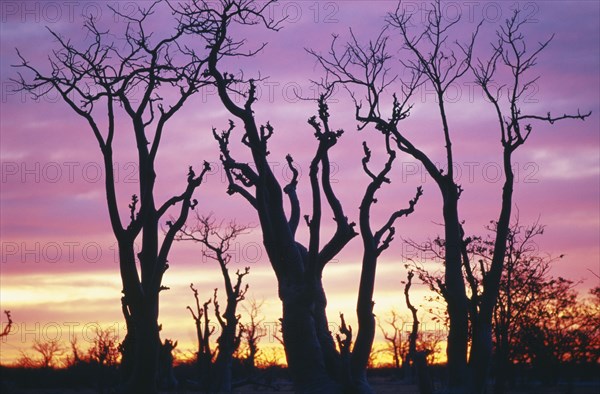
(49, 351)
(365, 67)
(434, 61)
(103, 355)
(253, 332)
(393, 336)
(217, 241)
(298, 268)
(312, 356)
(204, 355)
(129, 75)
(104, 348)
(76, 356)
(309, 346)
(374, 243)
(511, 51)
(414, 332)
(539, 319)
(539, 322)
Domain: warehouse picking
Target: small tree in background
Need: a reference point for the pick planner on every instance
(217, 240)
(77, 356)
(204, 355)
(50, 351)
(104, 350)
(252, 332)
(391, 329)
(540, 323)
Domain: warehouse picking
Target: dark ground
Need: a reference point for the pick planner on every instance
(271, 381)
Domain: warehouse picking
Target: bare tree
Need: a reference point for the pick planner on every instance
(311, 352)
(512, 52)
(541, 323)
(104, 348)
(204, 355)
(416, 358)
(414, 333)
(524, 270)
(253, 332)
(525, 324)
(344, 343)
(393, 337)
(310, 349)
(103, 355)
(434, 61)
(49, 351)
(76, 356)
(374, 243)
(26, 361)
(365, 67)
(96, 82)
(217, 240)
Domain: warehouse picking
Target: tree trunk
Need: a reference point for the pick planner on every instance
(456, 297)
(481, 354)
(481, 350)
(502, 366)
(366, 321)
(221, 378)
(141, 346)
(330, 354)
(423, 377)
(302, 346)
(147, 345)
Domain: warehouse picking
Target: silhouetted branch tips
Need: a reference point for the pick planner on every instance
(291, 186)
(217, 240)
(9, 324)
(344, 337)
(511, 50)
(386, 233)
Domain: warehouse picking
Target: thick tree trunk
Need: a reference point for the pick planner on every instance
(204, 370)
(330, 354)
(221, 377)
(302, 346)
(127, 346)
(502, 365)
(481, 355)
(141, 346)
(143, 378)
(362, 348)
(456, 297)
(424, 381)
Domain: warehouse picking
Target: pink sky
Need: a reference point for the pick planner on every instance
(58, 267)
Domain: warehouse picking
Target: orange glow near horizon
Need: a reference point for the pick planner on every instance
(77, 303)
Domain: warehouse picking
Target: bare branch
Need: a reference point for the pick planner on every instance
(7, 328)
